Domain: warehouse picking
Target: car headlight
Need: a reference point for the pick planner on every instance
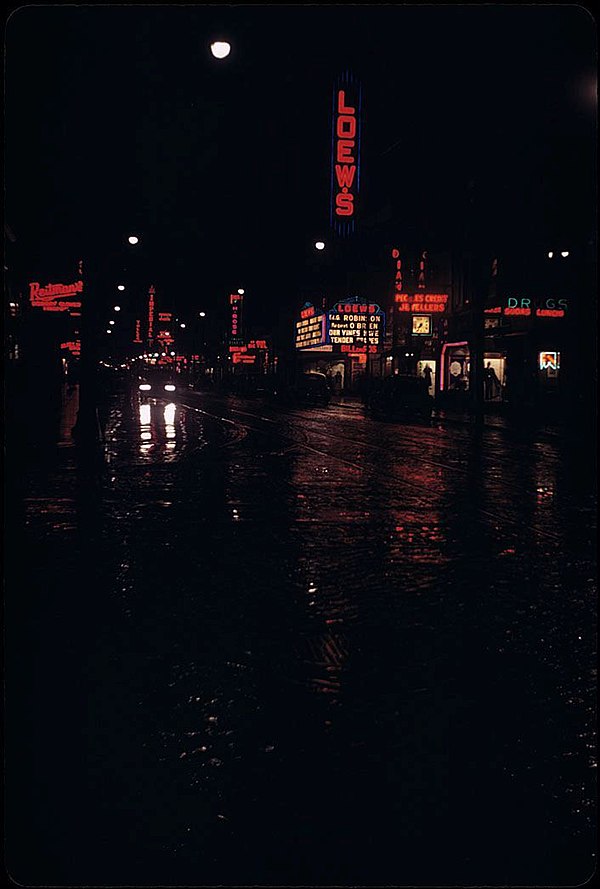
(145, 387)
(169, 387)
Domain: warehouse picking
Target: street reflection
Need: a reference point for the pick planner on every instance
(145, 427)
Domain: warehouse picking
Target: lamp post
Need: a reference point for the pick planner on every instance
(87, 425)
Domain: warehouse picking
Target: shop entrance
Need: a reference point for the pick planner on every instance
(428, 368)
(494, 371)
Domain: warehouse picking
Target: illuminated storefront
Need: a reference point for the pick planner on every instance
(523, 338)
(341, 342)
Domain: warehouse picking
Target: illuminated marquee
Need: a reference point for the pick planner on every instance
(345, 153)
(55, 297)
(311, 329)
(355, 327)
(421, 302)
(165, 316)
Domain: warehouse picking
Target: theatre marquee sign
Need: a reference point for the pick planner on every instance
(350, 327)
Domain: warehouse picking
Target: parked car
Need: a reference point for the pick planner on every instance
(401, 397)
(311, 388)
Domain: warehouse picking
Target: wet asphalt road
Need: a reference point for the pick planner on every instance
(299, 648)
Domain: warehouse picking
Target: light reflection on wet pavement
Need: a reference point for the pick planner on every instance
(302, 648)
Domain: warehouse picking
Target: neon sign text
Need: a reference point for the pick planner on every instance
(151, 293)
(354, 326)
(421, 302)
(49, 299)
(345, 158)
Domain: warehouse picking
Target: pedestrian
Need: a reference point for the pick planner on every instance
(491, 382)
(427, 374)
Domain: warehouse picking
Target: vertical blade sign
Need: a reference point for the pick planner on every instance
(345, 154)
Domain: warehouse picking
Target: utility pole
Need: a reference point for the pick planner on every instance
(473, 261)
(87, 425)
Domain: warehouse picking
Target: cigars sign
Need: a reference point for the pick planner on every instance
(345, 153)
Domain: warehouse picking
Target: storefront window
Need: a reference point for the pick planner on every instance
(458, 366)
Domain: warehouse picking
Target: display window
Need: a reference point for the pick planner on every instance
(458, 366)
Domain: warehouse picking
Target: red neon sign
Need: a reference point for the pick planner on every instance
(52, 291)
(421, 302)
(235, 327)
(345, 155)
(74, 346)
(138, 330)
(51, 298)
(550, 313)
(151, 293)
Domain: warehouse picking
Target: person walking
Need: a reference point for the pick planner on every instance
(491, 382)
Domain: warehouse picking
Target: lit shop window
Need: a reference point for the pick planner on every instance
(550, 363)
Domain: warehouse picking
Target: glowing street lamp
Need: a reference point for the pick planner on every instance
(220, 49)
(133, 239)
(182, 326)
(117, 308)
(202, 314)
(241, 291)
(319, 245)
(120, 287)
(111, 322)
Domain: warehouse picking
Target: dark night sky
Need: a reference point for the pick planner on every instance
(117, 117)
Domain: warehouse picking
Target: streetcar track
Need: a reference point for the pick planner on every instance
(549, 535)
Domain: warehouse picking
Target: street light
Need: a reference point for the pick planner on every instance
(117, 308)
(111, 322)
(202, 314)
(120, 287)
(319, 245)
(564, 253)
(133, 239)
(241, 291)
(220, 49)
(182, 326)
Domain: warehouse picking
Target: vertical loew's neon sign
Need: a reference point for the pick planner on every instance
(345, 153)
